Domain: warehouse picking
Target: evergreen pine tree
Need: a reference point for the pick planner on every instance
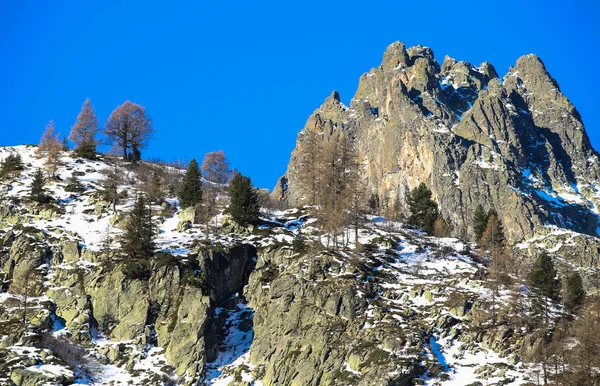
(87, 151)
(74, 185)
(573, 292)
(191, 190)
(37, 187)
(542, 276)
(480, 219)
(11, 164)
(423, 210)
(137, 239)
(243, 200)
(299, 244)
(65, 144)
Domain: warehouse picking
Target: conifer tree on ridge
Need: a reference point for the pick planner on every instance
(191, 190)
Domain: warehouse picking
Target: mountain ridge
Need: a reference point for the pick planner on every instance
(517, 144)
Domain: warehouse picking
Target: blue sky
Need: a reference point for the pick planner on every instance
(243, 77)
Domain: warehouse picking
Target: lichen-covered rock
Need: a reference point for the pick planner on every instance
(70, 250)
(71, 302)
(307, 331)
(100, 207)
(47, 214)
(188, 214)
(14, 219)
(320, 317)
(182, 332)
(183, 225)
(118, 220)
(27, 253)
(42, 375)
(120, 305)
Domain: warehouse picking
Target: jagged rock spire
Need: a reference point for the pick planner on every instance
(517, 144)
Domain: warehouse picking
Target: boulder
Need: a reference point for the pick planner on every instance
(70, 250)
(188, 214)
(42, 375)
(26, 254)
(183, 225)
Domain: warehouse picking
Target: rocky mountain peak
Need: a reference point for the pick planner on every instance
(488, 70)
(447, 64)
(531, 70)
(333, 99)
(420, 51)
(517, 144)
(531, 66)
(395, 55)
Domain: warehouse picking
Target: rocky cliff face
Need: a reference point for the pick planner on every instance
(116, 316)
(377, 317)
(516, 144)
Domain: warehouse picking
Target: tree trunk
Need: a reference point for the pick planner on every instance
(25, 311)
(544, 369)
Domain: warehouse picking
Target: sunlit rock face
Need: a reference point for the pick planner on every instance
(516, 143)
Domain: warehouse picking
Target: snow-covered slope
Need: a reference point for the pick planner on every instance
(238, 305)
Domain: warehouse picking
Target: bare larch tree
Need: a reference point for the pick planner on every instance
(129, 127)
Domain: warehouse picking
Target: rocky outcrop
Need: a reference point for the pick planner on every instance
(120, 305)
(173, 308)
(309, 329)
(187, 318)
(183, 331)
(515, 144)
(26, 254)
(227, 310)
(40, 376)
(327, 318)
(168, 302)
